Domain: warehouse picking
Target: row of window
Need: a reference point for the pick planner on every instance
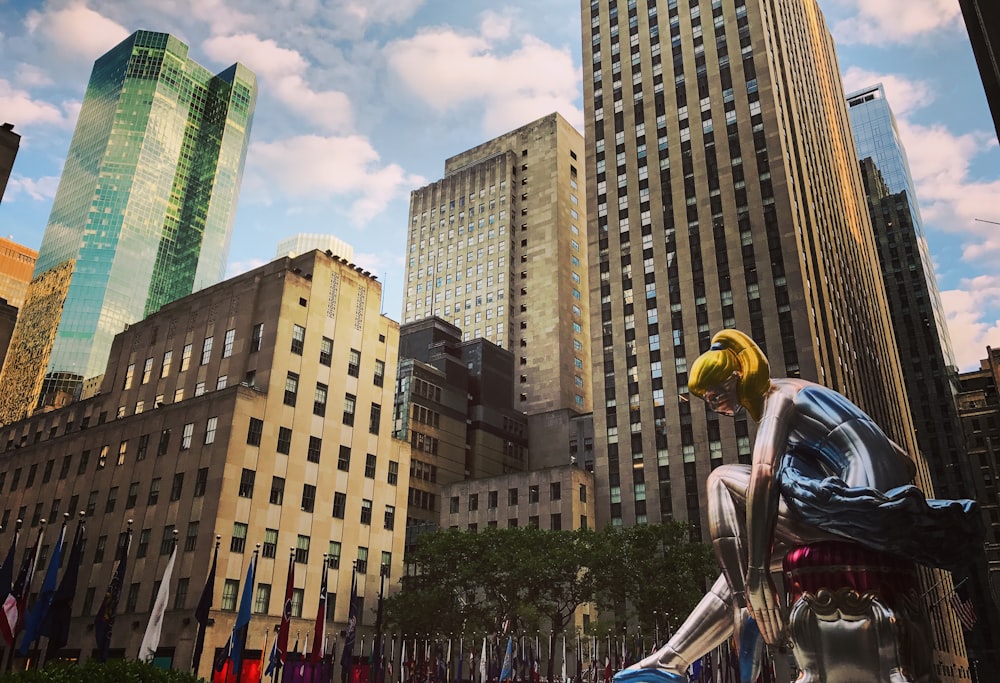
(513, 496)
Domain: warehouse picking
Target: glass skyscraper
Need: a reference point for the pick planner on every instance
(147, 199)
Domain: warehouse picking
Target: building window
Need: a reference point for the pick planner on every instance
(370, 466)
(339, 504)
(555, 491)
(102, 543)
(298, 595)
(206, 350)
(473, 502)
(186, 357)
(325, 351)
(354, 363)
(344, 458)
(284, 440)
(555, 522)
(291, 388)
(511, 496)
(227, 343)
(200, 482)
(255, 431)
(270, 545)
(186, 436)
(132, 598)
(210, 428)
(350, 401)
(492, 499)
(140, 453)
(122, 452)
(308, 497)
(533, 521)
(191, 539)
(319, 402)
(298, 339)
(362, 564)
(333, 557)
(167, 542)
(583, 493)
(453, 505)
(374, 418)
(147, 370)
(102, 461)
(143, 546)
(302, 549)
(221, 382)
(263, 598)
(180, 594)
(366, 511)
(164, 444)
(533, 494)
(239, 540)
(229, 590)
(393, 475)
(246, 483)
(379, 372)
(315, 448)
(390, 517)
(133, 496)
(177, 486)
(109, 506)
(277, 490)
(154, 491)
(129, 374)
(255, 337)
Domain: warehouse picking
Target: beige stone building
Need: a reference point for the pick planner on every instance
(16, 265)
(723, 191)
(498, 248)
(258, 410)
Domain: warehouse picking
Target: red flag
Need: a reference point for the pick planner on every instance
(319, 633)
(962, 604)
(15, 602)
(279, 653)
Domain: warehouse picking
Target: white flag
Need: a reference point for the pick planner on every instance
(482, 664)
(151, 640)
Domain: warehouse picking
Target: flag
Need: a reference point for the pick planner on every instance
(56, 624)
(302, 656)
(962, 604)
(36, 617)
(347, 659)
(204, 608)
(402, 663)
(607, 669)
(482, 663)
(279, 652)
(238, 638)
(7, 568)
(13, 605)
(579, 661)
(151, 639)
(317, 651)
(104, 621)
(564, 659)
(507, 668)
(260, 665)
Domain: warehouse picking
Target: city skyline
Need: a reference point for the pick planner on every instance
(365, 104)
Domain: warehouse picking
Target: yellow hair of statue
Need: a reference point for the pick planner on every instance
(733, 351)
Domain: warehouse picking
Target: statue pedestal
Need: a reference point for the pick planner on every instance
(855, 616)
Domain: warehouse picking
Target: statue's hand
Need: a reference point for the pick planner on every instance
(765, 606)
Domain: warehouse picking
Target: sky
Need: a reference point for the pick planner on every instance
(361, 101)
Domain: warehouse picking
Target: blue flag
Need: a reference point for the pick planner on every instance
(104, 620)
(352, 624)
(56, 624)
(507, 669)
(36, 617)
(238, 637)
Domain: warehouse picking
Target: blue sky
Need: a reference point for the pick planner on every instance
(362, 100)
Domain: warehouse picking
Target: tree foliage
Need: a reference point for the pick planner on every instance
(92, 671)
(466, 582)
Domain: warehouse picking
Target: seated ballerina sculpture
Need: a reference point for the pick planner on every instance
(821, 470)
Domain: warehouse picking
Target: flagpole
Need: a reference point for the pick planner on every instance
(43, 602)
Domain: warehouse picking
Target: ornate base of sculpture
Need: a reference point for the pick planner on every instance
(855, 616)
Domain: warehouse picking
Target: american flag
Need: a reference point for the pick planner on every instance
(962, 604)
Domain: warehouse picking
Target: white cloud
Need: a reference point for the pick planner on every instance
(363, 13)
(20, 108)
(447, 69)
(973, 324)
(31, 76)
(283, 72)
(904, 95)
(39, 189)
(76, 30)
(895, 21)
(320, 168)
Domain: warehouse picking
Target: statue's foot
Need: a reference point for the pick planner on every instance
(650, 675)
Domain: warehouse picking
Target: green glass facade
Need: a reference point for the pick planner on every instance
(147, 199)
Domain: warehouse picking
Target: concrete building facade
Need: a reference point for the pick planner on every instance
(257, 410)
(17, 262)
(498, 248)
(9, 144)
(723, 191)
(145, 206)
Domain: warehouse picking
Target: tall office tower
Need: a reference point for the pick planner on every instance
(723, 191)
(145, 206)
(979, 408)
(928, 364)
(497, 248)
(255, 409)
(9, 144)
(982, 20)
(302, 242)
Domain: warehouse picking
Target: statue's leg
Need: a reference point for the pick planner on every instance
(727, 520)
(707, 627)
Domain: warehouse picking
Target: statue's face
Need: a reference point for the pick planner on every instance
(724, 398)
